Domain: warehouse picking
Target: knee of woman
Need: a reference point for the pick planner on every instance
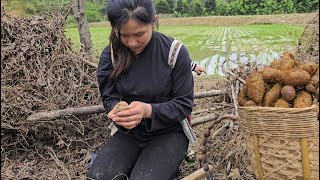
(98, 173)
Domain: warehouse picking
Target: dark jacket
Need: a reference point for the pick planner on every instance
(150, 79)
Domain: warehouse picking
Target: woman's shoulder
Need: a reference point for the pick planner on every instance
(166, 42)
(106, 50)
(105, 56)
(163, 39)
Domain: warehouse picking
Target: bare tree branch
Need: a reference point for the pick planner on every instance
(49, 115)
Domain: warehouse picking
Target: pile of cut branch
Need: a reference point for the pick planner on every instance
(307, 49)
(41, 72)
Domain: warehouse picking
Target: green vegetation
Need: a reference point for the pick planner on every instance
(96, 9)
(206, 41)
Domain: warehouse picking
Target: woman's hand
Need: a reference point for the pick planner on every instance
(198, 69)
(120, 106)
(131, 115)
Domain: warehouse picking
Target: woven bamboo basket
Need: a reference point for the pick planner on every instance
(282, 143)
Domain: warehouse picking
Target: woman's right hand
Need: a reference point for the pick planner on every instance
(129, 116)
(120, 106)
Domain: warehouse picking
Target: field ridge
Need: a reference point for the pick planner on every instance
(298, 18)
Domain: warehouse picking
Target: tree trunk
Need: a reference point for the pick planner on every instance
(83, 28)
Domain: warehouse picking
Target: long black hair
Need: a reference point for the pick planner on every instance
(119, 12)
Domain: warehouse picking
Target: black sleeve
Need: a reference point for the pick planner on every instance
(181, 101)
(108, 90)
(193, 66)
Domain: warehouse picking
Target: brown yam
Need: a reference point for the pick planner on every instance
(120, 106)
(250, 103)
(315, 79)
(298, 63)
(256, 87)
(294, 77)
(302, 100)
(287, 61)
(282, 103)
(313, 84)
(242, 97)
(275, 64)
(269, 73)
(310, 67)
(272, 95)
(310, 88)
(288, 93)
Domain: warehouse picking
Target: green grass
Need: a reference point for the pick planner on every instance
(99, 37)
(205, 41)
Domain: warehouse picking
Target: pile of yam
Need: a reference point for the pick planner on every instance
(286, 83)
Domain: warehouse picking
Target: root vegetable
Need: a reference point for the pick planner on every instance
(310, 88)
(275, 64)
(242, 97)
(256, 87)
(272, 95)
(288, 93)
(298, 63)
(311, 68)
(120, 106)
(315, 79)
(282, 103)
(250, 103)
(302, 100)
(287, 61)
(313, 84)
(269, 73)
(294, 77)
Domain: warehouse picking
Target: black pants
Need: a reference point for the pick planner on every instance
(124, 157)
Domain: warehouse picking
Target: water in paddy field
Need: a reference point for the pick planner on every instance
(236, 58)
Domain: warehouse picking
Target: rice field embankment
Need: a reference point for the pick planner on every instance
(301, 18)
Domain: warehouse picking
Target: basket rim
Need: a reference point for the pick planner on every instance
(258, 120)
(278, 108)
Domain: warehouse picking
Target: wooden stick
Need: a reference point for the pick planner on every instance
(231, 73)
(197, 174)
(207, 110)
(209, 93)
(49, 115)
(203, 119)
(90, 63)
(235, 101)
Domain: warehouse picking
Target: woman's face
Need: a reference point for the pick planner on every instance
(136, 35)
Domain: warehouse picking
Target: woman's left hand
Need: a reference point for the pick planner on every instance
(133, 114)
(199, 69)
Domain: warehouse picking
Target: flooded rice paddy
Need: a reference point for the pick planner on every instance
(231, 45)
(210, 45)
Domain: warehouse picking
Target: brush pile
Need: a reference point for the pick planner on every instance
(307, 49)
(39, 72)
